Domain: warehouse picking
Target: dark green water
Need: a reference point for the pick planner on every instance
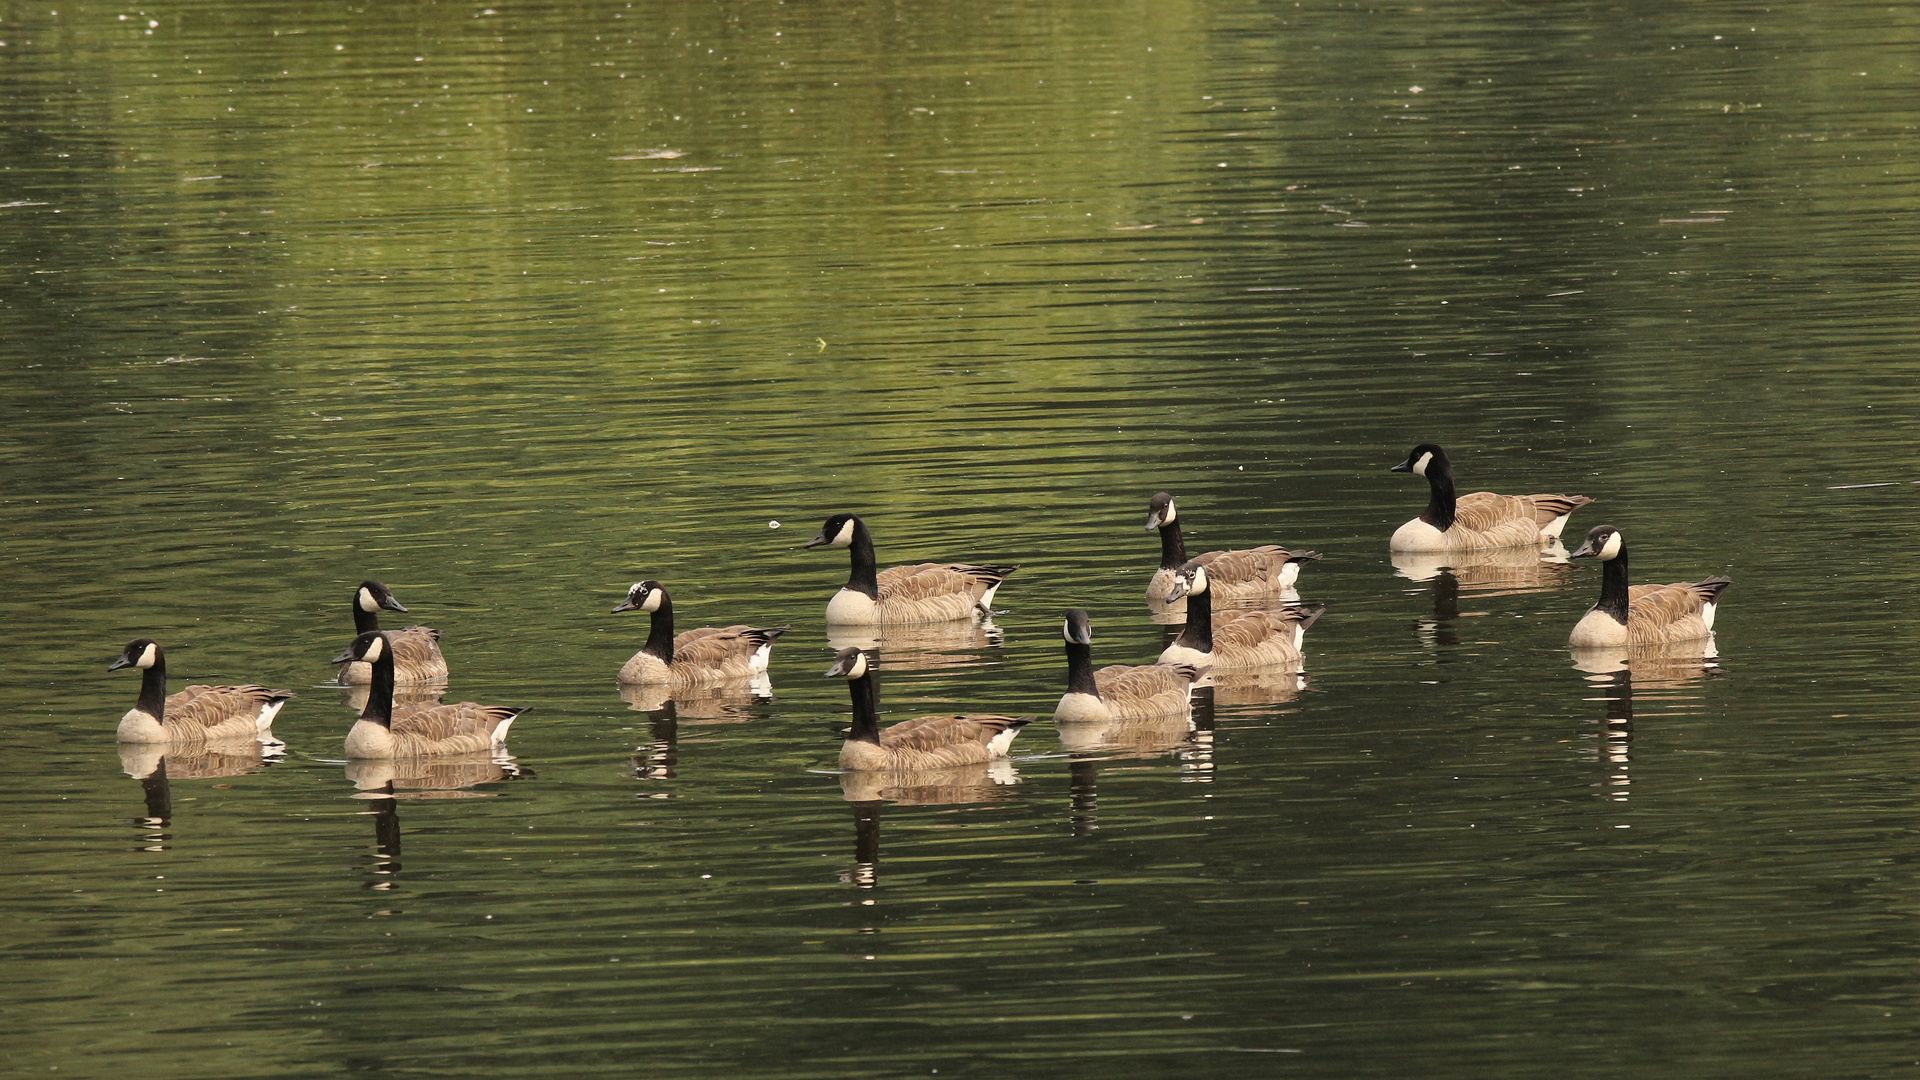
(512, 307)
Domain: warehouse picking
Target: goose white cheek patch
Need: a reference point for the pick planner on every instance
(844, 538)
(366, 601)
(1420, 467)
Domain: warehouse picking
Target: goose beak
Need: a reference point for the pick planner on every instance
(345, 657)
(1405, 466)
(1585, 550)
(835, 671)
(625, 605)
(816, 541)
(120, 663)
(393, 605)
(1153, 522)
(1179, 589)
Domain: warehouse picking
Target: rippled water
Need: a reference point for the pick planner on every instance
(511, 308)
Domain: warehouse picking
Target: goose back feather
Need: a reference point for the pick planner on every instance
(924, 742)
(1118, 691)
(1244, 574)
(918, 593)
(1235, 640)
(708, 656)
(1481, 519)
(383, 732)
(197, 714)
(1642, 614)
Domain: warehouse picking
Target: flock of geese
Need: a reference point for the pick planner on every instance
(1266, 636)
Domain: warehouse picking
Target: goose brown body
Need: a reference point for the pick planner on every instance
(384, 732)
(924, 742)
(195, 715)
(416, 649)
(1235, 640)
(918, 593)
(709, 656)
(1243, 574)
(1642, 614)
(1118, 691)
(1481, 519)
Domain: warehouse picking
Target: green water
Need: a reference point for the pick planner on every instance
(512, 307)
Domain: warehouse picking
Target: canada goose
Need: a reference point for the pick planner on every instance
(1479, 520)
(925, 742)
(431, 729)
(922, 593)
(197, 714)
(1118, 691)
(1247, 574)
(703, 657)
(1234, 640)
(1641, 614)
(416, 649)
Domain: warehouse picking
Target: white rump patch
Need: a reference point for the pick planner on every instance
(500, 730)
(264, 722)
(999, 743)
(985, 603)
(761, 655)
(1706, 614)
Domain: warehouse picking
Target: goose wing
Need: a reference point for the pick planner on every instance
(1260, 565)
(717, 645)
(930, 733)
(202, 709)
(1664, 605)
(1142, 681)
(925, 581)
(467, 722)
(416, 654)
(1484, 511)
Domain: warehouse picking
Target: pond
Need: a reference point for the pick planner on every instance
(513, 307)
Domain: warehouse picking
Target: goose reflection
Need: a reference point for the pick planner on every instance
(713, 704)
(922, 646)
(868, 791)
(1666, 670)
(1486, 572)
(1090, 746)
(156, 765)
(382, 782)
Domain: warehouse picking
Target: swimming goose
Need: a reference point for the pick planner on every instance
(1234, 640)
(197, 714)
(1641, 614)
(925, 742)
(417, 732)
(922, 593)
(702, 657)
(1246, 574)
(1479, 520)
(1117, 691)
(416, 649)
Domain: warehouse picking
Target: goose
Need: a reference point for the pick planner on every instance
(417, 732)
(1117, 691)
(416, 649)
(1246, 574)
(921, 593)
(1479, 520)
(1641, 614)
(198, 714)
(925, 742)
(702, 657)
(1234, 640)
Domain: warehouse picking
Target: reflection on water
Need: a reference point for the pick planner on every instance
(382, 783)
(945, 646)
(708, 704)
(156, 765)
(405, 695)
(1489, 573)
(868, 791)
(1666, 669)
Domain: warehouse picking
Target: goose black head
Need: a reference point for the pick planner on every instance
(1604, 542)
(837, 532)
(1077, 628)
(373, 596)
(1189, 580)
(644, 596)
(1420, 459)
(1160, 510)
(370, 647)
(140, 653)
(847, 664)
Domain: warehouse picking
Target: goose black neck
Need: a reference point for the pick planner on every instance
(380, 693)
(364, 621)
(866, 575)
(1440, 499)
(660, 633)
(1080, 669)
(866, 709)
(1198, 634)
(153, 687)
(1173, 548)
(1613, 587)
